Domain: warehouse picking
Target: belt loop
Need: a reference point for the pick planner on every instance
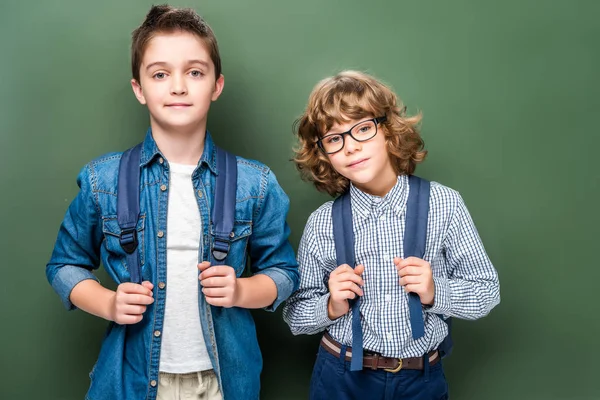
(426, 367)
(375, 364)
(342, 359)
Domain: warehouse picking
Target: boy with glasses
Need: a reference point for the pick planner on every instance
(355, 137)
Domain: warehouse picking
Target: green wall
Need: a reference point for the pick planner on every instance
(509, 92)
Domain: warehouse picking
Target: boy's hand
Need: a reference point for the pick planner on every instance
(220, 285)
(416, 277)
(129, 302)
(344, 283)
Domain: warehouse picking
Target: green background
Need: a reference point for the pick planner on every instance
(510, 96)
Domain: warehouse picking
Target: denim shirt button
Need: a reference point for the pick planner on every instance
(160, 234)
(163, 187)
(157, 333)
(161, 285)
(199, 193)
(160, 160)
(153, 383)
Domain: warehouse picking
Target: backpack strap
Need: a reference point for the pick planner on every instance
(343, 235)
(128, 208)
(415, 236)
(223, 212)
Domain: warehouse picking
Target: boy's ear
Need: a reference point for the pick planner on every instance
(219, 84)
(137, 90)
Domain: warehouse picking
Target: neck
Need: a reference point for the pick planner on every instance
(180, 146)
(381, 185)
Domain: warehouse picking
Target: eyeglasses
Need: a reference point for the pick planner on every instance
(360, 132)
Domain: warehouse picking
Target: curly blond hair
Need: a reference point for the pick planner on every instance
(353, 95)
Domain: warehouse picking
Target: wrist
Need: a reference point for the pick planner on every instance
(333, 312)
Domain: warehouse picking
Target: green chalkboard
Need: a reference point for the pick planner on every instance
(510, 96)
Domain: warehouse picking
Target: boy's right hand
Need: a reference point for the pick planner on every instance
(129, 302)
(344, 283)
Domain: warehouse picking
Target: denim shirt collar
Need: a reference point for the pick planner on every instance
(150, 151)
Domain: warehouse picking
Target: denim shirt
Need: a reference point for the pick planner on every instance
(128, 364)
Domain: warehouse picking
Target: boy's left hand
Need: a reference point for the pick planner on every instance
(219, 284)
(416, 277)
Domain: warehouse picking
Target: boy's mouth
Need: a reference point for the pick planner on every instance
(178, 105)
(357, 162)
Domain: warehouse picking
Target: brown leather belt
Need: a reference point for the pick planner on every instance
(375, 361)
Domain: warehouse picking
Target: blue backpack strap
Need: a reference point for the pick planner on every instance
(343, 234)
(223, 212)
(128, 208)
(415, 236)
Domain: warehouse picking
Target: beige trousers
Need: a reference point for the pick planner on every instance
(196, 385)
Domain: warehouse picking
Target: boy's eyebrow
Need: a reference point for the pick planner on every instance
(201, 62)
(164, 64)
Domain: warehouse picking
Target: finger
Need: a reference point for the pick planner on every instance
(346, 295)
(341, 269)
(359, 269)
(128, 319)
(133, 310)
(410, 280)
(131, 288)
(137, 299)
(412, 288)
(203, 265)
(216, 292)
(214, 282)
(410, 270)
(351, 287)
(414, 261)
(218, 301)
(148, 285)
(217, 270)
(349, 277)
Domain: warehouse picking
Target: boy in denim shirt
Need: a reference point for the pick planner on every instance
(186, 330)
(354, 136)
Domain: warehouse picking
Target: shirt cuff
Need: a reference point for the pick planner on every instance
(441, 302)
(322, 320)
(66, 279)
(284, 285)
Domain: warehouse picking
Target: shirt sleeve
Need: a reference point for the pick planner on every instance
(77, 247)
(271, 253)
(306, 311)
(471, 289)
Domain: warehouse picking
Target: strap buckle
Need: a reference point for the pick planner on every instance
(128, 240)
(220, 249)
(394, 370)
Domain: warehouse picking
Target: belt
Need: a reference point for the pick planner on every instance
(375, 361)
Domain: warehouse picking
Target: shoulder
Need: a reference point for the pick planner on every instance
(444, 200)
(102, 173)
(319, 222)
(255, 179)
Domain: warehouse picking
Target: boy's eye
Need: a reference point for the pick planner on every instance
(364, 129)
(333, 139)
(159, 75)
(196, 74)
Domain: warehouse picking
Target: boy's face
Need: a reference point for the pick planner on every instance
(367, 164)
(177, 81)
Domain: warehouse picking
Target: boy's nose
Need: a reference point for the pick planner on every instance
(351, 145)
(178, 87)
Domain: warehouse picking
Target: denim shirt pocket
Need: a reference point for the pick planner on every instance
(117, 257)
(236, 257)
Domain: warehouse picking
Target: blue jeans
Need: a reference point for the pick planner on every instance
(332, 379)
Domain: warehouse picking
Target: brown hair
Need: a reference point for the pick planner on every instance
(352, 95)
(167, 19)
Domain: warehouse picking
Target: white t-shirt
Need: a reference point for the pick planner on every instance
(183, 349)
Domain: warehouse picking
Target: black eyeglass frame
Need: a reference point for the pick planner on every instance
(377, 121)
